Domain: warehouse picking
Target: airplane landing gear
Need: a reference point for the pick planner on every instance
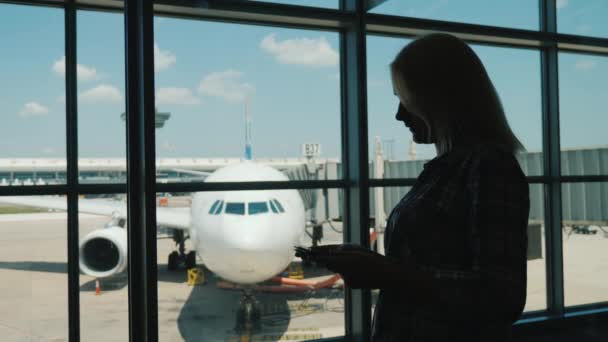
(180, 258)
(249, 314)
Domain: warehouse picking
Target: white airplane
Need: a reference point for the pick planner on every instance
(245, 237)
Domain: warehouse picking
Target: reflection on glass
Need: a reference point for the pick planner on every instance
(247, 284)
(104, 310)
(32, 79)
(266, 94)
(582, 17)
(101, 80)
(521, 14)
(536, 288)
(515, 74)
(585, 234)
(33, 269)
(583, 116)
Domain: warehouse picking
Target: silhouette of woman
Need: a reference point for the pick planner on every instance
(455, 263)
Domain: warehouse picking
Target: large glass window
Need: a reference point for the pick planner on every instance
(33, 269)
(515, 74)
(261, 97)
(32, 133)
(101, 100)
(244, 97)
(585, 234)
(517, 13)
(238, 257)
(583, 114)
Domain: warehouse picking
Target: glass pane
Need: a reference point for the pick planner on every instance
(273, 96)
(233, 253)
(516, 77)
(104, 297)
(585, 234)
(314, 3)
(583, 80)
(537, 272)
(536, 288)
(33, 269)
(101, 81)
(257, 208)
(32, 133)
(582, 17)
(235, 208)
(521, 14)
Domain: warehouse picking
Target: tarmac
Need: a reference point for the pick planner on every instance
(33, 291)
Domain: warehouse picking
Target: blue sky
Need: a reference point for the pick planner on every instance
(206, 71)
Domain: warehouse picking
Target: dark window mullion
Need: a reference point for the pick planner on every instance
(552, 155)
(354, 155)
(141, 174)
(72, 171)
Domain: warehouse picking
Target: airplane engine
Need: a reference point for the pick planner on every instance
(103, 252)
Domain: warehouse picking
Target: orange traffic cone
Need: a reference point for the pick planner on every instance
(97, 288)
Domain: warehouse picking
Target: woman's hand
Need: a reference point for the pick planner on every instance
(358, 266)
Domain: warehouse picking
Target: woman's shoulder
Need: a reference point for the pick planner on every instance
(495, 161)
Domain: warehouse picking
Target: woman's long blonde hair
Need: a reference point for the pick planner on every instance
(450, 85)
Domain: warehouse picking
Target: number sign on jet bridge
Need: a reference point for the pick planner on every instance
(311, 150)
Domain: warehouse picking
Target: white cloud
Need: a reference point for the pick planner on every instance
(561, 4)
(584, 29)
(163, 59)
(168, 146)
(176, 96)
(585, 64)
(301, 51)
(103, 93)
(85, 73)
(48, 150)
(227, 85)
(31, 109)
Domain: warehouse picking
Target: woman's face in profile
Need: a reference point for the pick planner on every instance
(414, 120)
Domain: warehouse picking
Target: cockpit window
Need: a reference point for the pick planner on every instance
(219, 208)
(257, 208)
(279, 206)
(273, 207)
(213, 207)
(235, 208)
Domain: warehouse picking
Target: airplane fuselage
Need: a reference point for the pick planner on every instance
(247, 236)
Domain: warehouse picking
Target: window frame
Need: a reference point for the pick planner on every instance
(353, 24)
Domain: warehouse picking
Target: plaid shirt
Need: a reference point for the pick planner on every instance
(464, 221)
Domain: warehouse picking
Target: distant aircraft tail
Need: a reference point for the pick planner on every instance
(248, 150)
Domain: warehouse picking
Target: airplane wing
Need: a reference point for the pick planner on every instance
(201, 174)
(177, 218)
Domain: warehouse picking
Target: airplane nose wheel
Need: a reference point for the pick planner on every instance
(248, 315)
(180, 257)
